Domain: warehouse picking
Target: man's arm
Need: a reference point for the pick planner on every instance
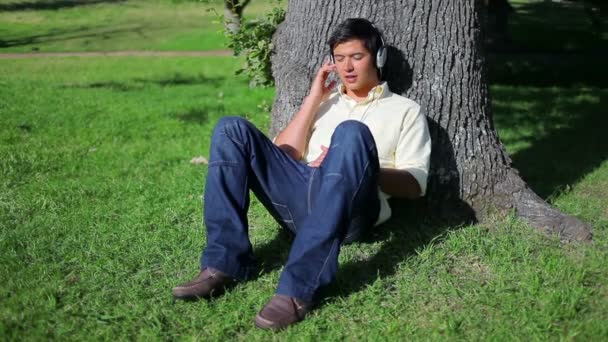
(412, 159)
(294, 138)
(398, 183)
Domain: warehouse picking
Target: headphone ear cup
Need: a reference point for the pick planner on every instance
(381, 57)
(332, 59)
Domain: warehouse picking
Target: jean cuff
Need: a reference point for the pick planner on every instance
(304, 293)
(236, 272)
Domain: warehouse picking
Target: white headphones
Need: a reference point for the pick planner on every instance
(381, 55)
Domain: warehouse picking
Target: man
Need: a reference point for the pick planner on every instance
(326, 177)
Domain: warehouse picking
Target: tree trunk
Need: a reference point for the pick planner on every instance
(436, 59)
(233, 14)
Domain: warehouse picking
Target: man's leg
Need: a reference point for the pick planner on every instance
(242, 158)
(344, 195)
(347, 189)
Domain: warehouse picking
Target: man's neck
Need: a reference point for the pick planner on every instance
(361, 94)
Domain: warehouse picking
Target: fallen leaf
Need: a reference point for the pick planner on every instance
(199, 160)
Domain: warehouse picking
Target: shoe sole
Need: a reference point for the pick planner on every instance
(265, 324)
(190, 297)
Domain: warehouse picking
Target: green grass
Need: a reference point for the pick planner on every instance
(112, 26)
(100, 216)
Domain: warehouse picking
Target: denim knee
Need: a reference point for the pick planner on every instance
(351, 133)
(233, 126)
(230, 123)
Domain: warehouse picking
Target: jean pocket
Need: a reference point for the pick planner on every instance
(285, 215)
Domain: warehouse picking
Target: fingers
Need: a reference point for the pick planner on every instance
(317, 162)
(328, 62)
(326, 68)
(331, 85)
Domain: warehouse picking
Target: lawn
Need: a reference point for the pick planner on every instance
(164, 25)
(100, 214)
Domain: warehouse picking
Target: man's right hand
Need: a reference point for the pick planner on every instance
(294, 138)
(319, 92)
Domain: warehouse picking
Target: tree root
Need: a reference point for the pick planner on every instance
(546, 218)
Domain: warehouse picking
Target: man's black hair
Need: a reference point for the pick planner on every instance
(357, 28)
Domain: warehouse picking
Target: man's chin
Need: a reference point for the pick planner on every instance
(352, 86)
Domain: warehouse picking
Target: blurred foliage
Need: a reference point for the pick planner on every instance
(254, 41)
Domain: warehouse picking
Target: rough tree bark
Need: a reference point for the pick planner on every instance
(435, 58)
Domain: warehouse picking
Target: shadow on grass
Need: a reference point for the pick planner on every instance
(552, 44)
(198, 115)
(50, 4)
(413, 225)
(273, 254)
(556, 26)
(179, 79)
(139, 83)
(400, 238)
(545, 70)
(71, 34)
(568, 138)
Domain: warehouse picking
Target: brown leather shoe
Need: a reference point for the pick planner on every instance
(210, 282)
(281, 312)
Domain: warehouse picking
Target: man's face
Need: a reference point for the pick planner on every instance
(355, 66)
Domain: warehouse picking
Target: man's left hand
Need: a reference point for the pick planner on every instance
(317, 162)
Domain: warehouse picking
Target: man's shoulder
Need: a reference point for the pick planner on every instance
(406, 104)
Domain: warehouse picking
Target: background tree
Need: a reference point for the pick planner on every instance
(233, 14)
(435, 58)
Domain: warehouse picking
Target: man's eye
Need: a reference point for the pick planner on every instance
(339, 59)
(358, 57)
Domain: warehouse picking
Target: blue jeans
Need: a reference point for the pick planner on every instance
(324, 207)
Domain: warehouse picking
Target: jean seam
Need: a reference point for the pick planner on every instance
(350, 203)
(245, 193)
(232, 139)
(293, 222)
(223, 162)
(334, 174)
(371, 149)
(333, 246)
(246, 182)
(312, 176)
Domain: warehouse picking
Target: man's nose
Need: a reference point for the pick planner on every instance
(348, 66)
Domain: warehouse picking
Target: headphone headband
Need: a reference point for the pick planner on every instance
(381, 53)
